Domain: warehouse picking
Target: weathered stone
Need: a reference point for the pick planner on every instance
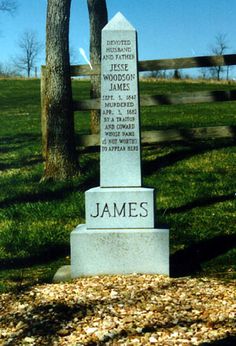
(120, 130)
(119, 251)
(62, 274)
(119, 208)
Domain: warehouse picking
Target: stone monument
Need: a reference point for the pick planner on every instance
(119, 236)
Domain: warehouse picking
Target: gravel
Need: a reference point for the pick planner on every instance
(121, 310)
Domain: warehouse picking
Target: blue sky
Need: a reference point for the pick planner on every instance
(166, 28)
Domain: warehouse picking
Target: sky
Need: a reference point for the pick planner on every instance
(166, 28)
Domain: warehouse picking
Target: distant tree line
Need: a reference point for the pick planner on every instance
(219, 47)
(7, 71)
(30, 48)
(25, 62)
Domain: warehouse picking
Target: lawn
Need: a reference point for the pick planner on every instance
(195, 184)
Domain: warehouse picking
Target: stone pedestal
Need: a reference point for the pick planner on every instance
(119, 251)
(108, 208)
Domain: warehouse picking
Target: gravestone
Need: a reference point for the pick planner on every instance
(119, 236)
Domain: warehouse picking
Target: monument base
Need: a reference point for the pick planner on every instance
(119, 251)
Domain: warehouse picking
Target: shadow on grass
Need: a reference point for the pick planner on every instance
(201, 202)
(188, 261)
(44, 255)
(10, 143)
(45, 195)
(22, 141)
(190, 149)
(22, 162)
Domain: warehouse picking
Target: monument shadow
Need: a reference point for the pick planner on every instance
(188, 261)
(187, 150)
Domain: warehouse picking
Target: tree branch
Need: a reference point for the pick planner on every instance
(8, 5)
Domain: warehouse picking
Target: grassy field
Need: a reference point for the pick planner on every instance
(195, 184)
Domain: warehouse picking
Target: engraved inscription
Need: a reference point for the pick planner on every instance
(126, 209)
(119, 99)
(120, 130)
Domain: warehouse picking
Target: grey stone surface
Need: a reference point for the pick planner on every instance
(120, 235)
(98, 252)
(120, 130)
(62, 274)
(119, 207)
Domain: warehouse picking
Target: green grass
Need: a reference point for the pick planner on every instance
(189, 115)
(195, 182)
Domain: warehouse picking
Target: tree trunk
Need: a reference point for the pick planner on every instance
(98, 19)
(60, 155)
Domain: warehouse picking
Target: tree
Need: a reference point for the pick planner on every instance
(6, 70)
(204, 72)
(177, 74)
(60, 155)
(98, 19)
(30, 48)
(8, 5)
(157, 74)
(219, 48)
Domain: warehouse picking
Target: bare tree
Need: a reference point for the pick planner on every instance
(157, 74)
(57, 112)
(204, 72)
(177, 74)
(219, 48)
(8, 5)
(30, 48)
(6, 70)
(98, 19)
